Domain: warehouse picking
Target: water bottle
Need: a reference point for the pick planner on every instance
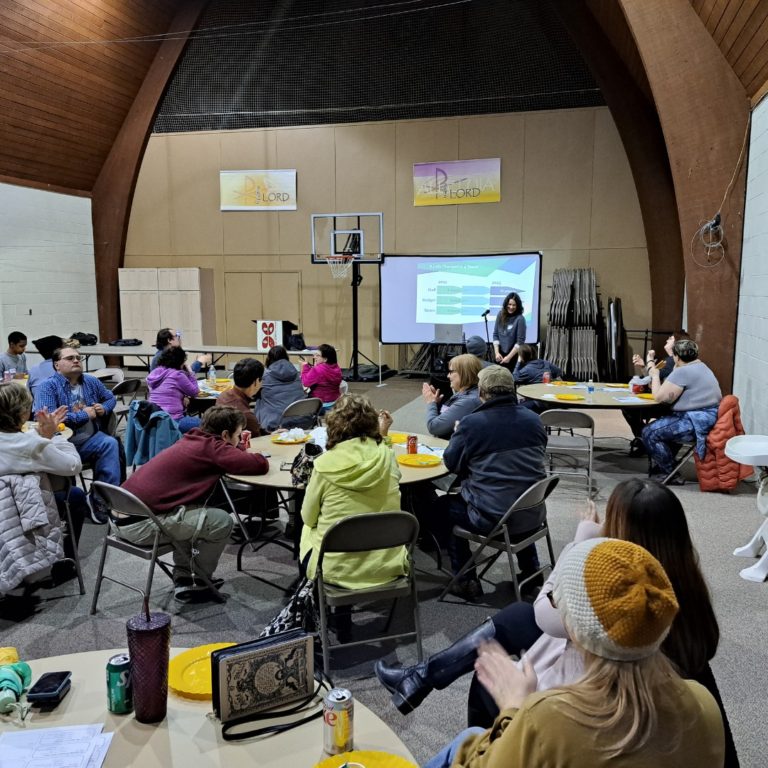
(212, 376)
(590, 390)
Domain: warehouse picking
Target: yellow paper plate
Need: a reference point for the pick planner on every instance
(645, 396)
(617, 386)
(418, 460)
(562, 383)
(189, 673)
(294, 441)
(367, 758)
(569, 397)
(398, 438)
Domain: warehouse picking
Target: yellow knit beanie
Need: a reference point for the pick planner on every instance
(615, 599)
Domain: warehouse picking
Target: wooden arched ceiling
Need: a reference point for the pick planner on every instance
(68, 78)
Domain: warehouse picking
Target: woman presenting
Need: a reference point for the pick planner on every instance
(509, 330)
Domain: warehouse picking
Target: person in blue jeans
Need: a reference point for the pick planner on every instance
(88, 402)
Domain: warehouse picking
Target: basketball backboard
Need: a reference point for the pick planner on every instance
(360, 235)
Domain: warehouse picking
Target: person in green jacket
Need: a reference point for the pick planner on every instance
(357, 474)
(629, 709)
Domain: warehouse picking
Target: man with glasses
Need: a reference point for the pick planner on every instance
(87, 401)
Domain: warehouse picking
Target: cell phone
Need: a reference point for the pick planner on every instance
(51, 687)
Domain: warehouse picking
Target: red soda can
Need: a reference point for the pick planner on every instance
(245, 439)
(412, 444)
(546, 377)
(637, 389)
(338, 710)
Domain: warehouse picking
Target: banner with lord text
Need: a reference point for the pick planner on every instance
(457, 182)
(258, 190)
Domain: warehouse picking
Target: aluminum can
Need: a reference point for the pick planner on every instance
(637, 389)
(546, 377)
(412, 444)
(245, 439)
(119, 688)
(338, 709)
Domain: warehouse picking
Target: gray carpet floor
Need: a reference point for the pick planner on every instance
(57, 621)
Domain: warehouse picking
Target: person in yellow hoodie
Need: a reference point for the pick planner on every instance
(357, 474)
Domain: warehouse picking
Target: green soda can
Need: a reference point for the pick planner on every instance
(119, 689)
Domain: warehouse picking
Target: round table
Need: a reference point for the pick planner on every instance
(604, 396)
(187, 736)
(66, 432)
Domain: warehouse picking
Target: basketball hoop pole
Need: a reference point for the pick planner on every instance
(357, 278)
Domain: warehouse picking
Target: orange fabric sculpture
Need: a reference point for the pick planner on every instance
(716, 471)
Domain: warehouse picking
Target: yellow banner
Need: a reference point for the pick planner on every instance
(258, 190)
(457, 182)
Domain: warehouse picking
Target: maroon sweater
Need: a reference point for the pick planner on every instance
(188, 471)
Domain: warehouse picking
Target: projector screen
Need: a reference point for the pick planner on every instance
(439, 298)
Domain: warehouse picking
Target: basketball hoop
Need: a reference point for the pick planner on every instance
(340, 265)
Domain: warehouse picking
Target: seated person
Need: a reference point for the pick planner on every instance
(170, 384)
(357, 474)
(167, 338)
(530, 369)
(694, 395)
(477, 347)
(280, 387)
(41, 451)
(638, 418)
(246, 378)
(185, 475)
(322, 376)
(42, 371)
(88, 403)
(14, 358)
(629, 708)
(462, 376)
(498, 452)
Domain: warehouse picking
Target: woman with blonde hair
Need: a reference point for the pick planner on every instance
(357, 474)
(629, 708)
(462, 376)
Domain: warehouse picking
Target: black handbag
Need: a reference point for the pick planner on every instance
(304, 463)
(295, 342)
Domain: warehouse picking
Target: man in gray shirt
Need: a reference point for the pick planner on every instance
(693, 393)
(14, 358)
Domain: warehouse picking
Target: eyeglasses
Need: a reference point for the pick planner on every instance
(450, 370)
(76, 358)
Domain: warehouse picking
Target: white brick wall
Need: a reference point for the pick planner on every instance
(750, 381)
(46, 264)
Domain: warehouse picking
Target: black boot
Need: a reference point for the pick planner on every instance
(409, 686)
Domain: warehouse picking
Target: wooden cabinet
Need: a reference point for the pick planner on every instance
(182, 299)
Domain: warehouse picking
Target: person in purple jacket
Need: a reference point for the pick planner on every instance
(322, 375)
(170, 384)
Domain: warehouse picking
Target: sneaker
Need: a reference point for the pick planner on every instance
(63, 571)
(187, 590)
(99, 513)
(676, 480)
(470, 590)
(637, 449)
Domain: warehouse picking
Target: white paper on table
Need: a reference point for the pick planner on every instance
(319, 435)
(629, 399)
(549, 397)
(430, 451)
(101, 745)
(63, 747)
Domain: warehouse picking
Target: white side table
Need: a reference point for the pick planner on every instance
(753, 450)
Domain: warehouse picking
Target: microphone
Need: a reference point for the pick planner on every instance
(486, 313)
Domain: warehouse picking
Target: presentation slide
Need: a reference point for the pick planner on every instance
(442, 298)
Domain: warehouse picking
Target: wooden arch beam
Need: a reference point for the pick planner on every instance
(112, 194)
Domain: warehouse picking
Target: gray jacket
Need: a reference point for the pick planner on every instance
(30, 529)
(441, 418)
(280, 387)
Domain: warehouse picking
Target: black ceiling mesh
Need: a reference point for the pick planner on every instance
(256, 64)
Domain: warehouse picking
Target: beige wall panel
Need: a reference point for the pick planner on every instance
(493, 226)
(149, 226)
(616, 218)
(311, 152)
(281, 296)
(624, 273)
(430, 229)
(249, 231)
(194, 177)
(558, 179)
(243, 304)
(262, 262)
(365, 173)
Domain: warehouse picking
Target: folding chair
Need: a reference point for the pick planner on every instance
(61, 484)
(121, 391)
(499, 540)
(307, 410)
(571, 444)
(363, 533)
(120, 500)
(109, 377)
